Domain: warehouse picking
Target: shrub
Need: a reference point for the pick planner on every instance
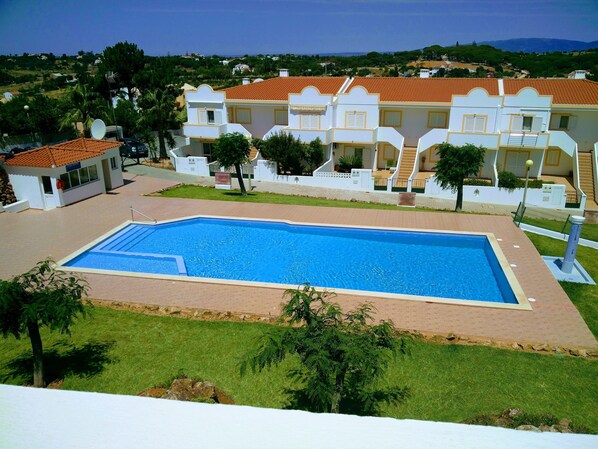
(477, 182)
(347, 163)
(508, 180)
(293, 156)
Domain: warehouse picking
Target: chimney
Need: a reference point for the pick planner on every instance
(283, 72)
(424, 73)
(246, 81)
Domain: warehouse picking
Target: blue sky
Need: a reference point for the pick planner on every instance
(284, 26)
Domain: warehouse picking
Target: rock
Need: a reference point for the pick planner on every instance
(174, 311)
(243, 317)
(542, 347)
(558, 349)
(545, 428)
(452, 337)
(528, 427)
(196, 313)
(264, 319)
(517, 346)
(153, 392)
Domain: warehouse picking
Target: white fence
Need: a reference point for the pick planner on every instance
(552, 196)
(356, 180)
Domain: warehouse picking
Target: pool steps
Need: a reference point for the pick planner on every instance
(120, 243)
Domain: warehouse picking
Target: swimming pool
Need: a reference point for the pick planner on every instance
(371, 261)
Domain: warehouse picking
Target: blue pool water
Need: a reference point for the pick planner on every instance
(403, 262)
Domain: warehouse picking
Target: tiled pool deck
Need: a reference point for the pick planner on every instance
(30, 236)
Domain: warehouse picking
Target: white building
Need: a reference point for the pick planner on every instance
(58, 175)
(397, 123)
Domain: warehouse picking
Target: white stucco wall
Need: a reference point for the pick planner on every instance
(262, 118)
(415, 123)
(203, 99)
(73, 419)
(310, 96)
(116, 174)
(357, 99)
(528, 102)
(476, 102)
(583, 127)
(28, 187)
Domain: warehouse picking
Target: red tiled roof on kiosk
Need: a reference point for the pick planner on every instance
(62, 154)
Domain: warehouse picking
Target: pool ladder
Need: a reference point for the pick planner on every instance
(140, 213)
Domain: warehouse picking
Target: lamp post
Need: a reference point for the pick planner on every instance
(26, 108)
(528, 165)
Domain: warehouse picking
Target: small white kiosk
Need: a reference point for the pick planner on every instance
(62, 174)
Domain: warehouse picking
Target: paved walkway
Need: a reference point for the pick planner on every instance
(32, 235)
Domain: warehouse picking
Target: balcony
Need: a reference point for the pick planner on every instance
(524, 139)
(213, 131)
(485, 140)
(345, 135)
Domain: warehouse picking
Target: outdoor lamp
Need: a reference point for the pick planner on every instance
(528, 165)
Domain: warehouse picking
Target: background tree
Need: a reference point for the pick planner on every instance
(7, 194)
(232, 150)
(341, 355)
(126, 60)
(456, 164)
(40, 297)
(83, 106)
(158, 113)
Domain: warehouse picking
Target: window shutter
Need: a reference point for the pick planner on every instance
(555, 121)
(572, 121)
(537, 124)
(203, 117)
(468, 123)
(217, 117)
(350, 119)
(480, 125)
(517, 123)
(361, 122)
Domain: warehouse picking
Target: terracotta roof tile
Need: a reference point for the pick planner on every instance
(62, 154)
(424, 90)
(563, 91)
(280, 88)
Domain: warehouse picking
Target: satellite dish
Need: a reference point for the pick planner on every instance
(98, 129)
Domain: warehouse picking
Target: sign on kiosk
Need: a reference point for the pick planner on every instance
(223, 180)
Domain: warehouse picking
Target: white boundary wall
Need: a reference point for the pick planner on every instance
(552, 196)
(356, 180)
(57, 419)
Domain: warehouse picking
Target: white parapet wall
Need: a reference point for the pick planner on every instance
(552, 196)
(17, 206)
(356, 180)
(56, 419)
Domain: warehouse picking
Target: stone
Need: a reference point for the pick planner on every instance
(541, 347)
(528, 427)
(264, 319)
(153, 392)
(243, 317)
(452, 337)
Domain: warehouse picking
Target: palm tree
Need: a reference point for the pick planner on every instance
(158, 113)
(83, 106)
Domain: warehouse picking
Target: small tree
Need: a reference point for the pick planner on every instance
(341, 354)
(285, 149)
(232, 150)
(456, 164)
(40, 297)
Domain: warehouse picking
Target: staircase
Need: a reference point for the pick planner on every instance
(407, 162)
(586, 177)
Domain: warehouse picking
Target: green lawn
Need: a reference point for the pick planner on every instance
(584, 296)
(124, 353)
(209, 193)
(588, 231)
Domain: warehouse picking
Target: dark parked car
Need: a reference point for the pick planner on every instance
(133, 148)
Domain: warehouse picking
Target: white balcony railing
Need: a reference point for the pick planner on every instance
(478, 139)
(523, 139)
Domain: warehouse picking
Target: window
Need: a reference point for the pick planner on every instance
(82, 176)
(113, 164)
(474, 124)
(437, 119)
(553, 157)
(392, 118)
(243, 115)
(355, 119)
(281, 117)
(207, 150)
(527, 123)
(359, 153)
(558, 121)
(47, 183)
(211, 119)
(310, 120)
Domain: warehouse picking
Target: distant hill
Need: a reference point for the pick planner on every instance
(540, 45)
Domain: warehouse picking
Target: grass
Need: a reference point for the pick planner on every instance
(588, 231)
(209, 193)
(584, 296)
(123, 352)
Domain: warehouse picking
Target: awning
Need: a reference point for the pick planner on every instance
(308, 107)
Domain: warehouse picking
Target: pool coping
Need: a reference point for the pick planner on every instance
(522, 300)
